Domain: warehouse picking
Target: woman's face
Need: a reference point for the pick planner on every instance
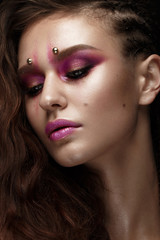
(82, 101)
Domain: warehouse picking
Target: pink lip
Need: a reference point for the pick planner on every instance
(60, 129)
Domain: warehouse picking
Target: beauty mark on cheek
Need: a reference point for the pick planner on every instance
(85, 104)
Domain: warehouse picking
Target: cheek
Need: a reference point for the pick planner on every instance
(32, 110)
(104, 95)
(117, 91)
(110, 100)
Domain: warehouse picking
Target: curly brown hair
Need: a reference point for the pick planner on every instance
(38, 198)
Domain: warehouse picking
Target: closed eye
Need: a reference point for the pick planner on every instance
(35, 90)
(79, 73)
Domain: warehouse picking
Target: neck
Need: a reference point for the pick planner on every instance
(132, 194)
(132, 202)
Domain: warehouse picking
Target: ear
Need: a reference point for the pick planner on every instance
(149, 79)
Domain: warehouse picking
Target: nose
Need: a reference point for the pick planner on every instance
(52, 96)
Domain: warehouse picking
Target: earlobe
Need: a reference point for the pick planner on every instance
(149, 79)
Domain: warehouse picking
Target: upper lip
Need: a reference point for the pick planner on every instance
(59, 123)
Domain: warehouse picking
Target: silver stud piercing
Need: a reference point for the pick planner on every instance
(55, 50)
(29, 61)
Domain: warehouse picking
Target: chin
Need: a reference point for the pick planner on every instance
(70, 161)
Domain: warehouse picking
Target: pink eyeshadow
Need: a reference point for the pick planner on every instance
(35, 59)
(78, 60)
(30, 80)
(50, 55)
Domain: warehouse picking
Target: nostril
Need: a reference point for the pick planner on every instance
(52, 103)
(56, 105)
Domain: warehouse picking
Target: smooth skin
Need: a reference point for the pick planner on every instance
(110, 102)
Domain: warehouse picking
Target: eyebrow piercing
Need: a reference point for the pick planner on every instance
(55, 50)
(29, 61)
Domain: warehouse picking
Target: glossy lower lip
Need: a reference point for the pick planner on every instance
(60, 129)
(62, 133)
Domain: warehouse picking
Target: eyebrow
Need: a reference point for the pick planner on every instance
(62, 55)
(26, 69)
(69, 51)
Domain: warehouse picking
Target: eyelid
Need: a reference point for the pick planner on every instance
(32, 92)
(29, 80)
(79, 60)
(78, 74)
(77, 66)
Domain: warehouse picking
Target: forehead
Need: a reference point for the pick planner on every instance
(64, 32)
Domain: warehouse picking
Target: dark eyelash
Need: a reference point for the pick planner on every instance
(79, 73)
(76, 74)
(35, 90)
